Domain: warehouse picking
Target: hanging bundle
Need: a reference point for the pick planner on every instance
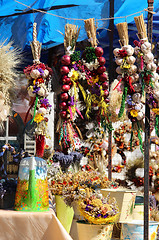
(128, 81)
(69, 98)
(39, 76)
(96, 78)
(126, 69)
(147, 68)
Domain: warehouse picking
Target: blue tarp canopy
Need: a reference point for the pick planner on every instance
(16, 20)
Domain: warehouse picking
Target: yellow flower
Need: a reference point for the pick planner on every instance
(75, 75)
(30, 88)
(134, 113)
(38, 118)
(156, 110)
(153, 236)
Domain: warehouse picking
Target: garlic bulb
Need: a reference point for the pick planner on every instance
(131, 60)
(42, 111)
(116, 52)
(137, 87)
(136, 97)
(156, 95)
(35, 74)
(119, 61)
(148, 57)
(129, 49)
(146, 47)
(119, 70)
(151, 66)
(132, 69)
(136, 50)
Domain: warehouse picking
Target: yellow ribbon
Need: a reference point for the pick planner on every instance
(82, 91)
(125, 65)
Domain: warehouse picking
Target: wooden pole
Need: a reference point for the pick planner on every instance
(111, 77)
(147, 139)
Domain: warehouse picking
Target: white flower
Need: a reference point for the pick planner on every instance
(42, 111)
(71, 72)
(91, 65)
(82, 75)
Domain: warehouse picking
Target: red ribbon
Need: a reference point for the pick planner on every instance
(32, 104)
(118, 84)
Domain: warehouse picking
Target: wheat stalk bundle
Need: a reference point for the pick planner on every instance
(71, 36)
(123, 33)
(91, 31)
(140, 24)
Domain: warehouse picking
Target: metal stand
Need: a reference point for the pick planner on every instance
(147, 139)
(111, 77)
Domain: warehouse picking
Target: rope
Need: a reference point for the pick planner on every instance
(76, 19)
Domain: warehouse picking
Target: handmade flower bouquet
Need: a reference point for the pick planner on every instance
(99, 210)
(39, 76)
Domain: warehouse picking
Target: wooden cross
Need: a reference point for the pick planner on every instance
(7, 137)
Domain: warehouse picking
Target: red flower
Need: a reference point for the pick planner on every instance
(40, 80)
(123, 53)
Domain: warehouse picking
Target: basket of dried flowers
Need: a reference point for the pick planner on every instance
(100, 214)
(59, 182)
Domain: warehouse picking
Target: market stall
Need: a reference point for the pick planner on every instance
(85, 167)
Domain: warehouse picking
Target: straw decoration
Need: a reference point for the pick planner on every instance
(123, 33)
(91, 31)
(35, 45)
(140, 24)
(71, 36)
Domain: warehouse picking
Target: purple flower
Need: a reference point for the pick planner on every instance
(71, 102)
(45, 102)
(75, 66)
(129, 100)
(36, 89)
(105, 216)
(87, 209)
(41, 71)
